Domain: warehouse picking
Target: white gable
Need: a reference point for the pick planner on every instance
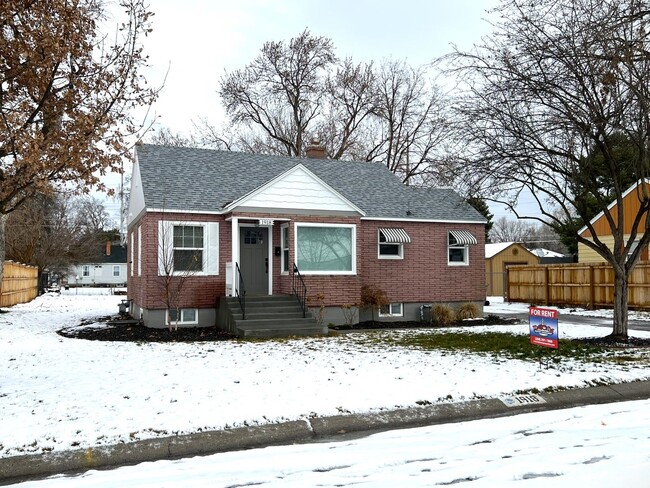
(136, 195)
(297, 189)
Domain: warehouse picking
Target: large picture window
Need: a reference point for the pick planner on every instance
(326, 248)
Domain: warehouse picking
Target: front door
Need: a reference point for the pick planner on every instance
(254, 259)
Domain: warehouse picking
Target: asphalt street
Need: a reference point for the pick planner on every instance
(603, 322)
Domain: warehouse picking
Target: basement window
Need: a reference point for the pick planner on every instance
(392, 310)
(182, 316)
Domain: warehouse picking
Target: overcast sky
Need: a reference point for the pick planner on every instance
(194, 42)
(199, 40)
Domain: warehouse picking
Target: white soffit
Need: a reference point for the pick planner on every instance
(297, 189)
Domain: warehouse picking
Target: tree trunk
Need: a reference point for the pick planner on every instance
(619, 331)
(3, 221)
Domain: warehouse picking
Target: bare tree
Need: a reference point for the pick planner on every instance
(175, 267)
(67, 92)
(511, 230)
(56, 231)
(164, 136)
(349, 103)
(91, 216)
(281, 91)
(555, 81)
(293, 93)
(409, 122)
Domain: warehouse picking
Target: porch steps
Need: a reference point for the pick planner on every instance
(272, 316)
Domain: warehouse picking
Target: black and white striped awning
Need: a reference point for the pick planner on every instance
(463, 237)
(395, 236)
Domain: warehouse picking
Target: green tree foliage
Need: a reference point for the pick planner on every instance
(484, 209)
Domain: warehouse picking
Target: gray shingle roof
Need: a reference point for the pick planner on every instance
(179, 178)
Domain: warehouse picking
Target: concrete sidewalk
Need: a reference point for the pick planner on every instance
(20, 468)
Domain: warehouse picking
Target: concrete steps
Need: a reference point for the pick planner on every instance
(272, 316)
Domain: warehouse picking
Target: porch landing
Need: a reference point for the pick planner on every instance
(268, 316)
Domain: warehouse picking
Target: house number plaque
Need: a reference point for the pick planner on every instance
(265, 221)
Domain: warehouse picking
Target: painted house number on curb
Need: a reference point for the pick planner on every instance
(520, 400)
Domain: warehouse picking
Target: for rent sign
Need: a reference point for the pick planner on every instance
(543, 327)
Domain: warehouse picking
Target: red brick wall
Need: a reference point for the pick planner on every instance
(198, 291)
(422, 276)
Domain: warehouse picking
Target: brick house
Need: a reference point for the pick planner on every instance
(226, 222)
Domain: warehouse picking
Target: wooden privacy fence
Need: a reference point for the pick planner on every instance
(19, 284)
(587, 285)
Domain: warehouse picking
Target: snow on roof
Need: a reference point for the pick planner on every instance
(495, 248)
(546, 253)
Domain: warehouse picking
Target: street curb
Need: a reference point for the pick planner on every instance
(303, 431)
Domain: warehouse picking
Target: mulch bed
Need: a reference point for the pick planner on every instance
(370, 325)
(140, 333)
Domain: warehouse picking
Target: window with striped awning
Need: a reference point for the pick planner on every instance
(462, 238)
(394, 236)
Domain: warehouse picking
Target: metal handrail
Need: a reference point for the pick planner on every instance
(240, 291)
(299, 289)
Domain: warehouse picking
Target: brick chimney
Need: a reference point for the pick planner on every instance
(108, 248)
(315, 150)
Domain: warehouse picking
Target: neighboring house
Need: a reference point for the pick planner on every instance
(500, 255)
(631, 205)
(108, 268)
(344, 224)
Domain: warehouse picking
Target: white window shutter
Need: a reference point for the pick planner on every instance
(165, 248)
(212, 258)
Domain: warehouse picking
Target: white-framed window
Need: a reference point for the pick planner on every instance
(326, 248)
(116, 270)
(392, 310)
(188, 248)
(387, 249)
(284, 244)
(85, 270)
(458, 252)
(187, 316)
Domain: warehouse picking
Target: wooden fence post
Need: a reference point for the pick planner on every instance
(547, 287)
(592, 287)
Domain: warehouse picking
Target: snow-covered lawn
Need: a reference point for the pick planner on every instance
(58, 393)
